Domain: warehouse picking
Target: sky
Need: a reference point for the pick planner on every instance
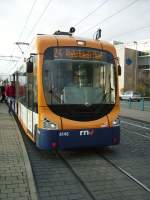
(21, 20)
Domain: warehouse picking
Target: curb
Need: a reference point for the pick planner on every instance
(32, 187)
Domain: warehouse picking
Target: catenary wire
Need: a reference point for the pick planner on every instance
(37, 22)
(39, 18)
(12, 60)
(21, 33)
(132, 31)
(84, 18)
(93, 11)
(109, 17)
(118, 13)
(43, 12)
(27, 19)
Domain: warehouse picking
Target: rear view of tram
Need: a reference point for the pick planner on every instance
(77, 87)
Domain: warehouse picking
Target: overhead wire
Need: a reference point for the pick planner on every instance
(93, 11)
(133, 31)
(39, 18)
(36, 23)
(26, 22)
(4, 56)
(84, 18)
(12, 60)
(28, 17)
(109, 17)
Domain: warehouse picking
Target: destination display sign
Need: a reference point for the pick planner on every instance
(76, 53)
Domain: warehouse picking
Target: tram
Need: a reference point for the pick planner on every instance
(67, 93)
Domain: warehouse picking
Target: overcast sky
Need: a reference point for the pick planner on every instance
(21, 20)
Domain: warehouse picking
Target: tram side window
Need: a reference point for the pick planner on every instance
(22, 88)
(30, 91)
(35, 89)
(32, 87)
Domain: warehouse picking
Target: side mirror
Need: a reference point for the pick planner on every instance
(29, 67)
(119, 70)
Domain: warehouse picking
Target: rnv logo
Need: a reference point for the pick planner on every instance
(82, 133)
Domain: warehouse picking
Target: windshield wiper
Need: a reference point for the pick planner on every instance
(58, 99)
(105, 98)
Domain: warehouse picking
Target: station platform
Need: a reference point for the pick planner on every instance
(16, 178)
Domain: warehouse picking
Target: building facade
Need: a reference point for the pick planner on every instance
(135, 64)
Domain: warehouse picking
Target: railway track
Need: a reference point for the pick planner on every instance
(115, 179)
(138, 128)
(83, 174)
(52, 178)
(123, 171)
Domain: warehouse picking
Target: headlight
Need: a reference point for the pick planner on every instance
(116, 122)
(49, 125)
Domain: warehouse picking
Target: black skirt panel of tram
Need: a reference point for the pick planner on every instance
(82, 112)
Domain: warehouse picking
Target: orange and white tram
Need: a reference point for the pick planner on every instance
(67, 93)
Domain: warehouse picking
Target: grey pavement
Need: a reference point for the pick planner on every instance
(135, 114)
(16, 178)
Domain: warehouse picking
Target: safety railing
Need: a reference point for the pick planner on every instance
(143, 104)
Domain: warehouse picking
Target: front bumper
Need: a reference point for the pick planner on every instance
(72, 139)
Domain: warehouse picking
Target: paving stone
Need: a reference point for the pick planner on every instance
(13, 177)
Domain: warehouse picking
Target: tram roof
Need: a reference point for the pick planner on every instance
(42, 42)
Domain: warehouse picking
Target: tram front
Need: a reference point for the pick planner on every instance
(80, 86)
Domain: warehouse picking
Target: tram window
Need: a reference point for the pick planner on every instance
(27, 86)
(29, 67)
(32, 87)
(30, 91)
(35, 97)
(78, 82)
(22, 88)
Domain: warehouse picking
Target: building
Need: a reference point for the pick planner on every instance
(135, 63)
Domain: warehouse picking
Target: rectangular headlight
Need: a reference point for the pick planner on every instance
(47, 124)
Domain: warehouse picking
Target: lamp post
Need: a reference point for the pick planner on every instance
(136, 65)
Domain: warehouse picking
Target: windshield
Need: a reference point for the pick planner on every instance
(84, 82)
